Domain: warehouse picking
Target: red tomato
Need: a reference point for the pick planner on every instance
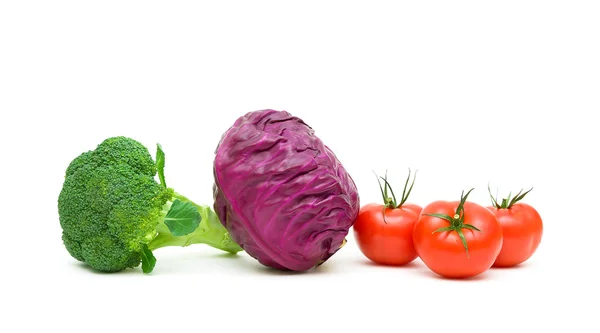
(388, 242)
(461, 240)
(522, 230)
(383, 232)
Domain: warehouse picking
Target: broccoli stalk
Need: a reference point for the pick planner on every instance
(114, 213)
(201, 221)
(182, 223)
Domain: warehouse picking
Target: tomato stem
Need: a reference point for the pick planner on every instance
(406, 193)
(457, 221)
(507, 202)
(387, 201)
(392, 203)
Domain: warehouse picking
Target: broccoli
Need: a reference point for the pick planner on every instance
(113, 212)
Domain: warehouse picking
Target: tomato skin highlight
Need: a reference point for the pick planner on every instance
(388, 243)
(444, 253)
(522, 230)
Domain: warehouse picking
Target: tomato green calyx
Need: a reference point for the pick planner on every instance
(387, 201)
(391, 202)
(457, 221)
(507, 202)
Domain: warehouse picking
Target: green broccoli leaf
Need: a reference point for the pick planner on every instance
(148, 259)
(160, 164)
(183, 218)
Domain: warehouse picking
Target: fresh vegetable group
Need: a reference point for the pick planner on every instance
(282, 196)
(455, 239)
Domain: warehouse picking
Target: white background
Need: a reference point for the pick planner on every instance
(467, 92)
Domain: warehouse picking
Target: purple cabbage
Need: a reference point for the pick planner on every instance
(281, 193)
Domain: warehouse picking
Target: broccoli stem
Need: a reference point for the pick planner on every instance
(210, 231)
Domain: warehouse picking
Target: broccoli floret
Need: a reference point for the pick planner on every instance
(113, 212)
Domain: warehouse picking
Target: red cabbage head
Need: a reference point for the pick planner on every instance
(281, 193)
